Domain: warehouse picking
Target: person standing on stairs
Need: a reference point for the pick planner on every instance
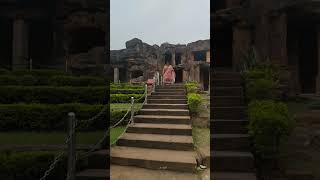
(168, 74)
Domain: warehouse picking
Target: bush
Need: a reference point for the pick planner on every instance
(37, 117)
(126, 86)
(125, 98)
(76, 81)
(194, 102)
(126, 91)
(52, 95)
(192, 87)
(269, 125)
(259, 89)
(116, 115)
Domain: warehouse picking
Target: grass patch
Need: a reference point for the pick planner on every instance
(115, 133)
(47, 138)
(201, 137)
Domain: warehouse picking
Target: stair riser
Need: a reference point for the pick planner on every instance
(226, 83)
(228, 127)
(236, 164)
(166, 101)
(157, 165)
(161, 121)
(166, 113)
(167, 97)
(90, 178)
(226, 101)
(98, 161)
(231, 144)
(153, 106)
(227, 92)
(155, 144)
(227, 113)
(186, 132)
(169, 93)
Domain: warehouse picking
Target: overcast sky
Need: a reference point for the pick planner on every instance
(159, 21)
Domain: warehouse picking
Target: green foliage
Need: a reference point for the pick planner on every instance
(194, 102)
(125, 98)
(30, 165)
(125, 86)
(76, 81)
(192, 87)
(269, 125)
(37, 117)
(52, 95)
(61, 80)
(116, 116)
(260, 89)
(126, 91)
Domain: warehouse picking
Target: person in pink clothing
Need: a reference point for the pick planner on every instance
(168, 74)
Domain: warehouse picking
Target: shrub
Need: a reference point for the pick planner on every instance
(76, 81)
(269, 125)
(125, 98)
(126, 91)
(192, 87)
(125, 86)
(39, 117)
(116, 115)
(52, 95)
(259, 89)
(194, 102)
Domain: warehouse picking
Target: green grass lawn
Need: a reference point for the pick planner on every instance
(115, 133)
(124, 106)
(47, 138)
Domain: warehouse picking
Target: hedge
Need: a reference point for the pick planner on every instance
(52, 95)
(116, 116)
(269, 125)
(125, 98)
(194, 102)
(125, 86)
(32, 165)
(259, 89)
(37, 72)
(39, 117)
(62, 80)
(126, 91)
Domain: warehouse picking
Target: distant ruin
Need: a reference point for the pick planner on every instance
(139, 61)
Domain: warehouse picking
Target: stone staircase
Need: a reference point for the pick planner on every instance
(161, 136)
(231, 158)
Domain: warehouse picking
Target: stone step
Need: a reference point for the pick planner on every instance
(227, 82)
(156, 119)
(169, 129)
(169, 93)
(165, 106)
(218, 101)
(184, 161)
(156, 141)
(233, 176)
(227, 91)
(99, 159)
(231, 142)
(167, 101)
(167, 97)
(168, 112)
(232, 161)
(226, 75)
(93, 174)
(221, 126)
(228, 112)
(171, 90)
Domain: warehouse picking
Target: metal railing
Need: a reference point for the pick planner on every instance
(71, 140)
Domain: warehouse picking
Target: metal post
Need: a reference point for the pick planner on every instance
(71, 146)
(146, 93)
(132, 109)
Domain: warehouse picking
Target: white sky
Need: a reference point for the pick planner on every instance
(159, 21)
